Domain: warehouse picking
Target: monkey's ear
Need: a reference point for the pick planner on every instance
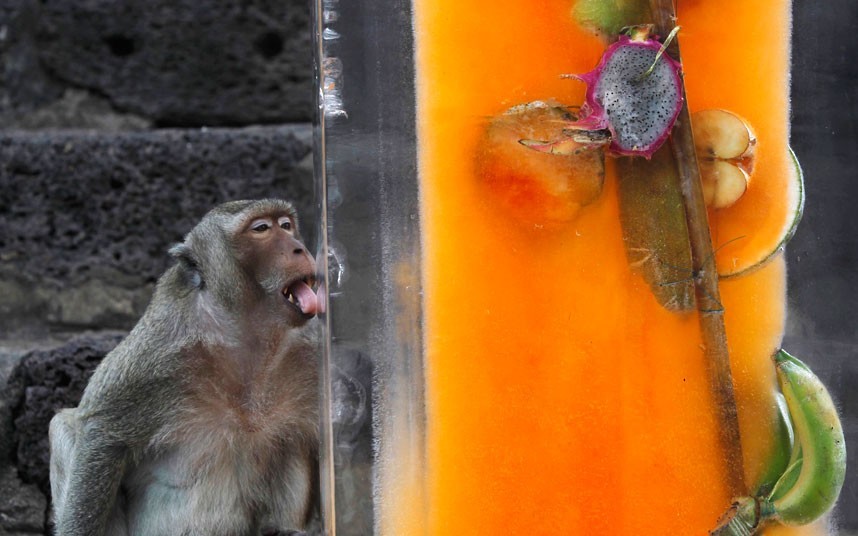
(188, 262)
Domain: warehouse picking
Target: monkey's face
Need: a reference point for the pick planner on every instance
(274, 256)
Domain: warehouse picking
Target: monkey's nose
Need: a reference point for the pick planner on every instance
(298, 251)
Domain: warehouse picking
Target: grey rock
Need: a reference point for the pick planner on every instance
(185, 62)
(7, 432)
(33, 308)
(22, 313)
(16, 296)
(77, 206)
(22, 506)
(43, 382)
(13, 350)
(76, 108)
(96, 303)
(24, 83)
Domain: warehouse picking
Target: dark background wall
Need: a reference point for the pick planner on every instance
(122, 122)
(822, 258)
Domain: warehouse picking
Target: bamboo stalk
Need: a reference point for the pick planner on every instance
(710, 311)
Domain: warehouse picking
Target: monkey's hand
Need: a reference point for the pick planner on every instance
(97, 467)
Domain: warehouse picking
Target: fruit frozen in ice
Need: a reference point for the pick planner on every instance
(635, 94)
(725, 148)
(655, 231)
(608, 17)
(543, 188)
(756, 228)
(814, 475)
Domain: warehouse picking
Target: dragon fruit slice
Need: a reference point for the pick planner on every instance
(635, 92)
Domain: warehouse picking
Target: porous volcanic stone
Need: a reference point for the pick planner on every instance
(24, 84)
(42, 383)
(75, 204)
(185, 62)
(22, 506)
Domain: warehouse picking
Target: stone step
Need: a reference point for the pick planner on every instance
(86, 217)
(174, 62)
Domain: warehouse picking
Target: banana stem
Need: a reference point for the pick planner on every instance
(741, 519)
(710, 311)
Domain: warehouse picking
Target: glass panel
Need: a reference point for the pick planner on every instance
(367, 164)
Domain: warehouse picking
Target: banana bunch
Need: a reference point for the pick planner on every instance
(804, 476)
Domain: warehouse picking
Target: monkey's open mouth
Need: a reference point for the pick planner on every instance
(300, 294)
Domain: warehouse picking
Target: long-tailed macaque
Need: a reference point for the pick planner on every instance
(203, 421)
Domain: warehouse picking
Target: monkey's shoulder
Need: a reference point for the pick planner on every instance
(130, 376)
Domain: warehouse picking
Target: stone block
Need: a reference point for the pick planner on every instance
(75, 204)
(24, 83)
(23, 507)
(184, 62)
(86, 218)
(43, 382)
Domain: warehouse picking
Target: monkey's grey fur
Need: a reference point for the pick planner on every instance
(203, 421)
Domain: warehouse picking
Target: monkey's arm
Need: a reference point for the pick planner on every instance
(97, 466)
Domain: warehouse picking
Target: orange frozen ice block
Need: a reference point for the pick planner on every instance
(562, 399)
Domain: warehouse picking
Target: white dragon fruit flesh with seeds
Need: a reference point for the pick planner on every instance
(635, 93)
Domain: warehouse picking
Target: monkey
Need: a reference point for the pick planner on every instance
(204, 419)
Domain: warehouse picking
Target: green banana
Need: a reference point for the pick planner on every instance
(819, 434)
(814, 475)
(782, 455)
(792, 469)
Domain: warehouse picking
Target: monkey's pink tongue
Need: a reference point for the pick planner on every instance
(308, 302)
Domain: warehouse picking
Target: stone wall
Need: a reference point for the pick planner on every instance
(121, 124)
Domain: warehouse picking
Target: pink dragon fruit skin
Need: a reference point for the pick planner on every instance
(639, 110)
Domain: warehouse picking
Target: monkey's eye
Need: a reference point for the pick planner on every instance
(260, 226)
(285, 223)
